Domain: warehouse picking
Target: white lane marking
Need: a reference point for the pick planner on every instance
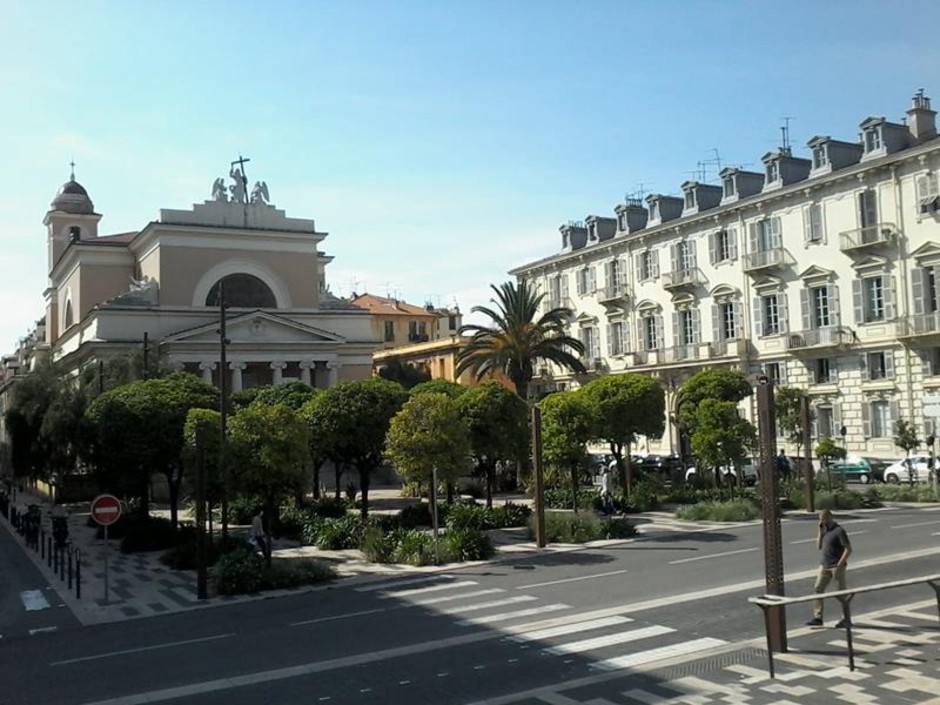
(713, 555)
(386, 584)
(42, 630)
(859, 521)
(641, 657)
(489, 619)
(570, 580)
(489, 605)
(935, 533)
(140, 649)
(34, 600)
(565, 629)
(461, 596)
(911, 526)
(433, 588)
(335, 617)
(600, 642)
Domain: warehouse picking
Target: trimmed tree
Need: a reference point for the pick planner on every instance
(626, 406)
(568, 420)
(723, 385)
(722, 437)
(292, 395)
(442, 386)
(497, 420)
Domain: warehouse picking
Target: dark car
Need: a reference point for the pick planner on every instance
(857, 469)
(667, 467)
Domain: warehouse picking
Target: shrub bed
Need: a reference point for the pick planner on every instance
(560, 497)
(244, 572)
(183, 555)
(147, 534)
(478, 517)
(734, 510)
(903, 493)
(568, 527)
(412, 547)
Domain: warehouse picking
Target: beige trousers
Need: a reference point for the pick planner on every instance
(823, 578)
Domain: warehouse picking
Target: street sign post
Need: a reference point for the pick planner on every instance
(105, 510)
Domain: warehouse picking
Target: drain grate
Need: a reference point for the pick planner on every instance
(709, 664)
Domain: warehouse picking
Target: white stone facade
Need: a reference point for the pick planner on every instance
(818, 272)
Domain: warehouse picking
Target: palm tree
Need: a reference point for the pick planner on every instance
(518, 338)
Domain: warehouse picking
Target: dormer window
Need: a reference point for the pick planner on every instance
(728, 186)
(621, 221)
(690, 199)
(773, 172)
(654, 210)
(820, 156)
(873, 139)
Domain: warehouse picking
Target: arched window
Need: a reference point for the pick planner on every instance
(69, 317)
(242, 291)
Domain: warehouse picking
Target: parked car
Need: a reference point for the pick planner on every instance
(854, 468)
(748, 470)
(914, 467)
(665, 466)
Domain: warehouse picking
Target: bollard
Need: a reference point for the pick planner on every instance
(48, 550)
(78, 573)
(70, 567)
(42, 547)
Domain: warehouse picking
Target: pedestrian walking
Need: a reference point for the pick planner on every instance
(258, 534)
(836, 548)
(607, 505)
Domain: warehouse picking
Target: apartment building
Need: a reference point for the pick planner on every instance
(818, 271)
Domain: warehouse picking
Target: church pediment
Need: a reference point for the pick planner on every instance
(257, 327)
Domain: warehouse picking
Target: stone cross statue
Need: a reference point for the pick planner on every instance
(238, 188)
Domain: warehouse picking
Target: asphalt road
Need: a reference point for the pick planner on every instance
(467, 635)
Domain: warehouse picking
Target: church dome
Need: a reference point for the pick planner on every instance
(73, 198)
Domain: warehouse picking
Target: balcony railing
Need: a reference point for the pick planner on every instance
(870, 236)
(723, 348)
(830, 336)
(923, 324)
(680, 278)
(681, 353)
(593, 364)
(772, 258)
(614, 292)
(559, 302)
(417, 337)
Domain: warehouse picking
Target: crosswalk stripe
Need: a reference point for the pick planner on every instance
(34, 600)
(489, 619)
(571, 629)
(663, 652)
(461, 596)
(599, 642)
(432, 588)
(397, 582)
(488, 605)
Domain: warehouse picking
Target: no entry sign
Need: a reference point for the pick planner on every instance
(106, 509)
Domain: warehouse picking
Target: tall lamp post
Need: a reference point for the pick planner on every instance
(223, 409)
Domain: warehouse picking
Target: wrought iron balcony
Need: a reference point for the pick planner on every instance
(871, 236)
(683, 278)
(681, 353)
(614, 292)
(593, 364)
(827, 337)
(923, 324)
(773, 258)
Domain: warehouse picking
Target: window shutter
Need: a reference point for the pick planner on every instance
(866, 419)
(836, 419)
(660, 344)
(864, 366)
(609, 275)
(625, 337)
(811, 371)
(871, 207)
(782, 367)
(894, 408)
(696, 326)
(807, 224)
(818, 222)
(805, 310)
(917, 289)
(755, 238)
(674, 257)
(889, 364)
(782, 314)
(564, 287)
(655, 263)
(676, 339)
(890, 307)
(835, 309)
(776, 233)
(732, 243)
(638, 266)
(610, 340)
(926, 362)
(858, 304)
(813, 424)
(716, 323)
(693, 253)
(833, 370)
(758, 312)
(923, 187)
(738, 320)
(713, 247)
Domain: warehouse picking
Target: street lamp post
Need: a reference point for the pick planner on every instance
(223, 410)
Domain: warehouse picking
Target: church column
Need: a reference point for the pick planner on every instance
(207, 368)
(278, 367)
(305, 366)
(237, 368)
(332, 367)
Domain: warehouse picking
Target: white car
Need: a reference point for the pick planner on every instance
(748, 471)
(916, 467)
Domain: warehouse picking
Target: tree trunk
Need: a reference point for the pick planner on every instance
(209, 507)
(449, 487)
(490, 472)
(364, 490)
(574, 488)
(316, 478)
(144, 496)
(338, 474)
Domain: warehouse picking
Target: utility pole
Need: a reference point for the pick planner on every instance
(539, 477)
(223, 410)
(773, 541)
(808, 474)
(202, 572)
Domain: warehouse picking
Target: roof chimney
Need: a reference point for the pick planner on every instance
(921, 120)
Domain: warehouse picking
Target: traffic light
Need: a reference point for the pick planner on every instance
(930, 440)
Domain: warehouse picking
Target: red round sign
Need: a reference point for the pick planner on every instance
(106, 509)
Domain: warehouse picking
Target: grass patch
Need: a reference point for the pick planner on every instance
(736, 510)
(244, 572)
(568, 527)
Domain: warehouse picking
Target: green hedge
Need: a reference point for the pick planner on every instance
(244, 572)
(560, 497)
(903, 493)
(734, 510)
(411, 547)
(568, 527)
(478, 517)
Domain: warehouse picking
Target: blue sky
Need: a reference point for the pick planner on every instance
(440, 143)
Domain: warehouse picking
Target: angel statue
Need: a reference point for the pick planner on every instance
(259, 194)
(218, 191)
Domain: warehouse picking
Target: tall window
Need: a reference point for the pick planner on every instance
(873, 292)
(615, 274)
(880, 419)
(685, 255)
(647, 265)
(770, 313)
(824, 422)
(824, 371)
(650, 327)
(820, 156)
(872, 139)
(654, 210)
(773, 172)
(728, 321)
(690, 199)
(721, 242)
(586, 281)
(930, 284)
(880, 365)
(591, 343)
(813, 223)
(868, 208)
(774, 372)
(821, 315)
(686, 327)
(389, 331)
(616, 344)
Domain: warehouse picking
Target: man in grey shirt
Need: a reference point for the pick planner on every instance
(836, 549)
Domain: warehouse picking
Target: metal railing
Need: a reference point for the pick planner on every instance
(869, 236)
(612, 292)
(820, 337)
(922, 324)
(766, 259)
(683, 277)
(679, 353)
(559, 302)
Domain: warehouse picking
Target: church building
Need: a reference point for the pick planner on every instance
(106, 293)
